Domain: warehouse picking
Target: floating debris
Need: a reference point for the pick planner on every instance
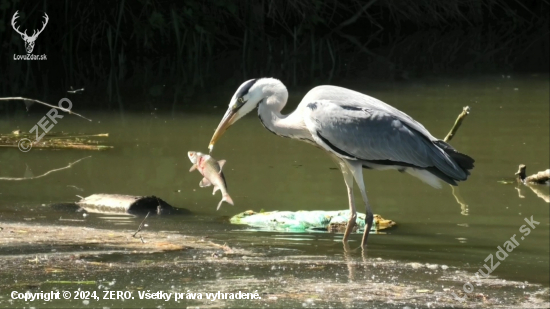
(302, 221)
(55, 140)
(538, 178)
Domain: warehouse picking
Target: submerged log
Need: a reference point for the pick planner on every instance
(538, 178)
(129, 204)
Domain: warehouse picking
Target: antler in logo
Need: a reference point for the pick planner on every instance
(29, 40)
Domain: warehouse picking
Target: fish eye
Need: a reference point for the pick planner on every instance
(241, 100)
(192, 154)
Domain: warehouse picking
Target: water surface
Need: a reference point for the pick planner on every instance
(508, 125)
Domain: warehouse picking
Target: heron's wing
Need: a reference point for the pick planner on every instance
(366, 132)
(349, 98)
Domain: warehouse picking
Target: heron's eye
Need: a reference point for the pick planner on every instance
(192, 154)
(240, 102)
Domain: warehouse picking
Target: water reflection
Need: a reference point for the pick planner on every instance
(460, 200)
(541, 191)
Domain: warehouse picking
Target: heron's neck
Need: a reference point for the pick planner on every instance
(290, 125)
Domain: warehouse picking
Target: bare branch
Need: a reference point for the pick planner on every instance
(43, 103)
(45, 174)
(458, 122)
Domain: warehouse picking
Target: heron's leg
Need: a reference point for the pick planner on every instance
(357, 171)
(348, 178)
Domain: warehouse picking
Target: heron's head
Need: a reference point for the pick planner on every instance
(247, 97)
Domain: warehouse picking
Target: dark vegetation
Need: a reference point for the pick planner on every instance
(120, 51)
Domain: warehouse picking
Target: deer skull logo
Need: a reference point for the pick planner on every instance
(29, 40)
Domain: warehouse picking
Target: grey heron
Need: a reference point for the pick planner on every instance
(356, 130)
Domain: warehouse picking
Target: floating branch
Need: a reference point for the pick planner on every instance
(26, 100)
(55, 141)
(45, 174)
(458, 123)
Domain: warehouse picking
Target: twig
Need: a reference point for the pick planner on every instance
(141, 226)
(79, 136)
(450, 135)
(458, 122)
(43, 103)
(48, 172)
(65, 146)
(75, 91)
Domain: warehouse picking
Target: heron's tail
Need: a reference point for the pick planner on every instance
(451, 173)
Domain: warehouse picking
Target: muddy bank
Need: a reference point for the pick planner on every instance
(46, 258)
(19, 238)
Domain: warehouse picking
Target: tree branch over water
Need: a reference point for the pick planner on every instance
(458, 123)
(43, 103)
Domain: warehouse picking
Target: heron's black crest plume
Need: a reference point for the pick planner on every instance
(245, 88)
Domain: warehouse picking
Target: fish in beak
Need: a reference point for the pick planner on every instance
(212, 172)
(228, 119)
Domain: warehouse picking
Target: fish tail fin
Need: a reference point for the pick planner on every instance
(228, 199)
(225, 198)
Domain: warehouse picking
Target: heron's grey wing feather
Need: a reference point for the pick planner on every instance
(346, 97)
(366, 132)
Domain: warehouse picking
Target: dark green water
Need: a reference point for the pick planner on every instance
(508, 125)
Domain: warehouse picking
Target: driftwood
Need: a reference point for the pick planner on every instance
(538, 178)
(534, 182)
(54, 141)
(128, 204)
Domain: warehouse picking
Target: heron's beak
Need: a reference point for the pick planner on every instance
(227, 120)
